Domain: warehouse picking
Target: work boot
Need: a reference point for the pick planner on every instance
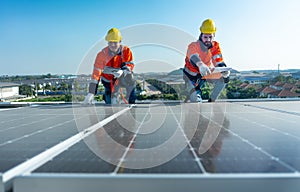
(199, 98)
(210, 100)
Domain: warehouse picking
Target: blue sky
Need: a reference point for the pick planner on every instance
(54, 36)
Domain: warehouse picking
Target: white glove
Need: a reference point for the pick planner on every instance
(89, 99)
(118, 73)
(126, 72)
(225, 74)
(204, 69)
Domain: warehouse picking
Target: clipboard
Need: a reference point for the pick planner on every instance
(216, 73)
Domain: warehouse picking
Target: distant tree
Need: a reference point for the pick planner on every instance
(233, 89)
(76, 86)
(69, 88)
(47, 76)
(63, 86)
(26, 90)
(290, 79)
(47, 86)
(154, 97)
(248, 93)
(100, 89)
(138, 87)
(142, 97)
(279, 78)
(233, 85)
(206, 91)
(53, 88)
(170, 96)
(68, 98)
(161, 86)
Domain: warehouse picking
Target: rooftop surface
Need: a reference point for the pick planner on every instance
(222, 146)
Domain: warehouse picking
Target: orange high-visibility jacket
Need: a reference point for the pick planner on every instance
(106, 58)
(212, 56)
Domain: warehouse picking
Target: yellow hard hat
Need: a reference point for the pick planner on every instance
(113, 35)
(208, 26)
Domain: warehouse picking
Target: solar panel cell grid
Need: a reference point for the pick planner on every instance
(210, 139)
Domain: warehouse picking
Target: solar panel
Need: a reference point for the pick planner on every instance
(27, 132)
(222, 146)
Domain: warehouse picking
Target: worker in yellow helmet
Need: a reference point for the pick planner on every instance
(202, 57)
(113, 66)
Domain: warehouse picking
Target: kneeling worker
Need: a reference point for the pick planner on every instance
(201, 59)
(113, 66)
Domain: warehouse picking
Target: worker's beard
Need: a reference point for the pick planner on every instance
(207, 44)
(115, 51)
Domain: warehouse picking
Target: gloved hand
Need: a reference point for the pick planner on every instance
(89, 99)
(118, 73)
(126, 70)
(204, 69)
(225, 74)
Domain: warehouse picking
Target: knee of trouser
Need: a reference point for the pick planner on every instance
(107, 92)
(127, 80)
(189, 86)
(107, 96)
(226, 79)
(132, 97)
(198, 91)
(107, 99)
(193, 96)
(131, 100)
(131, 82)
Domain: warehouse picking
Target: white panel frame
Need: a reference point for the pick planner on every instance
(48, 182)
(31, 164)
(1, 184)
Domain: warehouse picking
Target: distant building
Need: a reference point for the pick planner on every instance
(256, 87)
(296, 75)
(234, 74)
(286, 74)
(173, 80)
(280, 90)
(254, 78)
(8, 90)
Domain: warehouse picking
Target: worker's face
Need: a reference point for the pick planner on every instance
(114, 46)
(207, 39)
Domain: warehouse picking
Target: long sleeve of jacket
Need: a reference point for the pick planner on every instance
(216, 53)
(97, 72)
(127, 58)
(98, 66)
